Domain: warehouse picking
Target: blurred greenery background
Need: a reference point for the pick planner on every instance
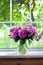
(20, 13)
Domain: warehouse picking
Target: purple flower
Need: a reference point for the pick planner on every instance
(13, 35)
(31, 30)
(11, 29)
(22, 33)
(14, 32)
(34, 30)
(30, 33)
(29, 25)
(14, 28)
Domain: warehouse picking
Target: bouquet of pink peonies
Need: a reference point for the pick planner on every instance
(22, 34)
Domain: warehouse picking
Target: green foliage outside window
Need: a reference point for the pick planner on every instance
(20, 13)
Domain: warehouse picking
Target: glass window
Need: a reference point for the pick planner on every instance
(4, 38)
(38, 10)
(4, 10)
(20, 13)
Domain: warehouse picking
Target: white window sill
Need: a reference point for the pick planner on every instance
(14, 53)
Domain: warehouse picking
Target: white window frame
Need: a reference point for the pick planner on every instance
(14, 53)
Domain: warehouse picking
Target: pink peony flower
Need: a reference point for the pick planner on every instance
(30, 33)
(14, 28)
(31, 30)
(13, 35)
(34, 30)
(29, 25)
(22, 33)
(11, 29)
(14, 32)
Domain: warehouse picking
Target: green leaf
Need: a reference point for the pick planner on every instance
(22, 41)
(26, 1)
(16, 39)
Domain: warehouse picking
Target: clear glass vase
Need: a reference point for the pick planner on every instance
(22, 47)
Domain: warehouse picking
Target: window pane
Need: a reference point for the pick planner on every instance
(4, 10)
(37, 10)
(40, 30)
(20, 11)
(4, 38)
(39, 43)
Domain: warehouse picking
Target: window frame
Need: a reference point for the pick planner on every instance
(14, 53)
